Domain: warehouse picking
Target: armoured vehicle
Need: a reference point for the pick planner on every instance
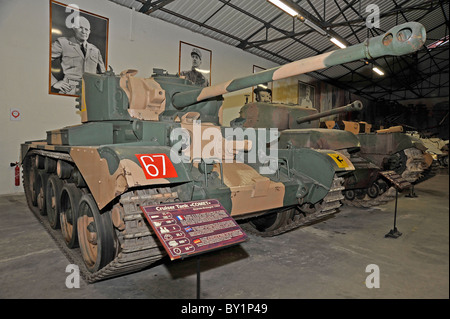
(392, 149)
(436, 147)
(299, 127)
(144, 141)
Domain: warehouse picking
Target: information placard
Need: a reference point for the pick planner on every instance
(191, 228)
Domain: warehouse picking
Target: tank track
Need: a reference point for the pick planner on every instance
(137, 245)
(414, 159)
(367, 201)
(414, 163)
(326, 208)
(428, 173)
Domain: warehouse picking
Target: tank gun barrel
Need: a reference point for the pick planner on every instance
(399, 40)
(354, 106)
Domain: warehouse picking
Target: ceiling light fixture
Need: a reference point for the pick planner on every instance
(439, 43)
(377, 70)
(338, 43)
(284, 7)
(312, 25)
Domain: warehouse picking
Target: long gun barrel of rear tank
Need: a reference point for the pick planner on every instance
(399, 40)
(354, 106)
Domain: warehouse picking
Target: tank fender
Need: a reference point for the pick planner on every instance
(318, 138)
(111, 170)
(317, 169)
(387, 143)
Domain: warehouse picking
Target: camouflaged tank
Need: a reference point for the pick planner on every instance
(436, 147)
(300, 128)
(392, 149)
(138, 145)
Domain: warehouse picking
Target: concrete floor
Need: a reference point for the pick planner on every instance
(325, 260)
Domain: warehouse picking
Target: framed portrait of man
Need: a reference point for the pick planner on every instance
(262, 92)
(306, 95)
(78, 44)
(195, 64)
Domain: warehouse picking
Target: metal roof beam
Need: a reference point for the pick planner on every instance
(349, 25)
(212, 15)
(200, 24)
(151, 6)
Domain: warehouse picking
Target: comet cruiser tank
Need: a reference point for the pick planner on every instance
(147, 141)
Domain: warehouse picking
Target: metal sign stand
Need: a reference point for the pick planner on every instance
(411, 194)
(198, 277)
(399, 184)
(394, 233)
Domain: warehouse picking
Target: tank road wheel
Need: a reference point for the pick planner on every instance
(95, 234)
(360, 193)
(349, 194)
(69, 200)
(52, 195)
(32, 185)
(41, 178)
(270, 222)
(373, 191)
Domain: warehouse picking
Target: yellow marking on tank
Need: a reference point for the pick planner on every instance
(340, 161)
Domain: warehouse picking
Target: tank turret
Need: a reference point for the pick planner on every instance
(286, 116)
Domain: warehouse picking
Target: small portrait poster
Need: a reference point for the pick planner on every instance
(78, 44)
(306, 95)
(262, 92)
(195, 64)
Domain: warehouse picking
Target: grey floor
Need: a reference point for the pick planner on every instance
(325, 260)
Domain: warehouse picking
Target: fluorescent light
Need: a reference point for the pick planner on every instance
(315, 27)
(438, 43)
(378, 71)
(338, 43)
(284, 7)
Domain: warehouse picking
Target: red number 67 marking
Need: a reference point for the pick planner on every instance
(156, 166)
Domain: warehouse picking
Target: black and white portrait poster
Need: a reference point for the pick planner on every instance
(78, 44)
(306, 95)
(195, 64)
